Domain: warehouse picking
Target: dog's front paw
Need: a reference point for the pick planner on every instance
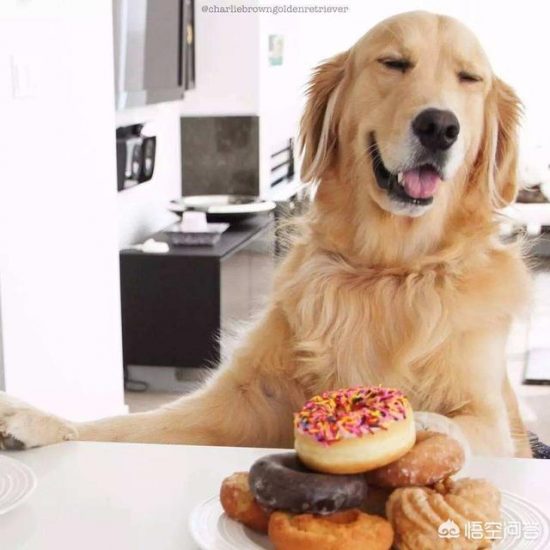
(23, 426)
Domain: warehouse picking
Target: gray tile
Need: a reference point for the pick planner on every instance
(220, 155)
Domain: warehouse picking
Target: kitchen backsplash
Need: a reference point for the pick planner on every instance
(220, 155)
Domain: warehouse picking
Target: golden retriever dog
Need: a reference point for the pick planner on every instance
(396, 275)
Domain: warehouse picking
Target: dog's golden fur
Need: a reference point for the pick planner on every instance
(368, 297)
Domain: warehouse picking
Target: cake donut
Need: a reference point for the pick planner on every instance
(349, 529)
(282, 482)
(354, 430)
(239, 503)
(434, 457)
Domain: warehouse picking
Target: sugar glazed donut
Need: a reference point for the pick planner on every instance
(282, 482)
(239, 503)
(433, 458)
(350, 529)
(354, 430)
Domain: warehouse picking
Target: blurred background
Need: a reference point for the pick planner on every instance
(119, 116)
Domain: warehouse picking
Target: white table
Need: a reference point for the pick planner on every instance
(103, 496)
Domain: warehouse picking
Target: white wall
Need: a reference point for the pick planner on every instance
(58, 208)
(515, 36)
(281, 88)
(226, 63)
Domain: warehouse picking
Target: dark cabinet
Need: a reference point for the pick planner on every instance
(174, 304)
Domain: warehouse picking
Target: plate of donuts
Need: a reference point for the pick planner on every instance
(361, 477)
(213, 529)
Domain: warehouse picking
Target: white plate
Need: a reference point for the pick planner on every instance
(17, 482)
(222, 204)
(211, 529)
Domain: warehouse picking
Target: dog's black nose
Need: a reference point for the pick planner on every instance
(437, 130)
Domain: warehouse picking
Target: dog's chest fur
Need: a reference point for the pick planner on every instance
(388, 326)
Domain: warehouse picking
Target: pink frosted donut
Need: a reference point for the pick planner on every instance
(354, 430)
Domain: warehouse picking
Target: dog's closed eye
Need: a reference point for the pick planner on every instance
(396, 64)
(466, 76)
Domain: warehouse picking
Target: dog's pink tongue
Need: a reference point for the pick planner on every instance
(421, 183)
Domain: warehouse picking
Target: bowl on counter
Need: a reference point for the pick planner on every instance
(223, 208)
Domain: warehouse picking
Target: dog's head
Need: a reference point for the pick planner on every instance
(414, 116)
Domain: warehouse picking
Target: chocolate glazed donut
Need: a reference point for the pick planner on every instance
(282, 482)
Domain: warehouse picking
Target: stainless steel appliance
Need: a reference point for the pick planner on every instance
(154, 50)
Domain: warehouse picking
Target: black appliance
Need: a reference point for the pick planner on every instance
(154, 43)
(135, 156)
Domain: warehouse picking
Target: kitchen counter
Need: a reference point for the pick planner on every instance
(234, 238)
(139, 497)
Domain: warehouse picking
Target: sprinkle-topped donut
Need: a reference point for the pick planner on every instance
(354, 430)
(350, 413)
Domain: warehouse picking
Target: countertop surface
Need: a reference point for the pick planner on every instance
(236, 236)
(132, 496)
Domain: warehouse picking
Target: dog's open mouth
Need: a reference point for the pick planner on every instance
(416, 185)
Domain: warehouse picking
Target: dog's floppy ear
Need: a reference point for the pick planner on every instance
(505, 113)
(318, 129)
